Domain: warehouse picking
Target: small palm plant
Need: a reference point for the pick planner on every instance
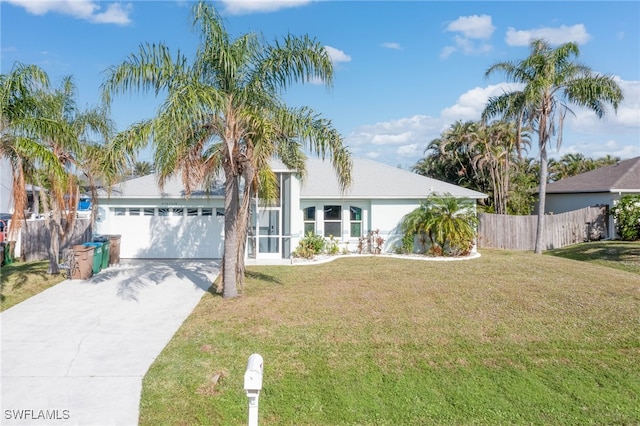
(447, 222)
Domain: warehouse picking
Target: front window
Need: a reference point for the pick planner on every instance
(333, 221)
(309, 220)
(355, 222)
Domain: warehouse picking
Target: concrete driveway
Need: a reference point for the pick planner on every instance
(76, 353)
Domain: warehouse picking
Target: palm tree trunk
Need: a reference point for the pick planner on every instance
(542, 195)
(248, 174)
(229, 288)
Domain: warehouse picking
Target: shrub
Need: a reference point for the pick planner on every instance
(627, 217)
(332, 247)
(309, 246)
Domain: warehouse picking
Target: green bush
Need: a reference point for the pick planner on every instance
(332, 246)
(627, 217)
(309, 246)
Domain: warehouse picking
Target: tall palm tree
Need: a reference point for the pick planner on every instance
(20, 130)
(496, 146)
(224, 113)
(70, 143)
(552, 82)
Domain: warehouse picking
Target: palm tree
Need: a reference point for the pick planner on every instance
(496, 146)
(142, 168)
(70, 144)
(224, 112)
(450, 225)
(20, 130)
(449, 157)
(551, 83)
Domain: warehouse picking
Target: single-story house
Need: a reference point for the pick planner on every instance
(163, 223)
(603, 186)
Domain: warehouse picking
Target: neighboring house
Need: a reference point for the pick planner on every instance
(6, 184)
(156, 223)
(603, 186)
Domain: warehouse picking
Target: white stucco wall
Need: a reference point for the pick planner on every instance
(6, 181)
(386, 215)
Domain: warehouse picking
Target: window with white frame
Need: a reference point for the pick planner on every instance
(134, 211)
(333, 221)
(309, 220)
(192, 212)
(149, 211)
(119, 211)
(355, 219)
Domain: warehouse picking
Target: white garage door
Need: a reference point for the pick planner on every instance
(168, 233)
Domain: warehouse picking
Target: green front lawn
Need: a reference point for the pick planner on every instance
(22, 280)
(510, 338)
(623, 255)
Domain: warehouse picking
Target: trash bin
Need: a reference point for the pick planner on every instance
(83, 255)
(104, 263)
(9, 250)
(97, 256)
(114, 249)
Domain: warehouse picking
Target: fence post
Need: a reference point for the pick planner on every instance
(253, 385)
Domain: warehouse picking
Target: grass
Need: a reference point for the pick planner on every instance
(22, 280)
(510, 338)
(623, 255)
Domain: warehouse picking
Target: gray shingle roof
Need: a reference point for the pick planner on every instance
(147, 187)
(371, 180)
(621, 177)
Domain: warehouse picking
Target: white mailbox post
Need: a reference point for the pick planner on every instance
(253, 385)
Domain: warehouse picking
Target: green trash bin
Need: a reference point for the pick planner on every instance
(104, 263)
(9, 250)
(97, 256)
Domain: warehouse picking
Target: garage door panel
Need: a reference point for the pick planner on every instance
(170, 237)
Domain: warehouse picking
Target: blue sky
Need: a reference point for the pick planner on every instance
(404, 71)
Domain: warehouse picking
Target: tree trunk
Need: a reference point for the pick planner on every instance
(229, 255)
(542, 196)
(248, 174)
(55, 228)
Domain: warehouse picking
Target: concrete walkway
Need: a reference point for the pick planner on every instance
(76, 353)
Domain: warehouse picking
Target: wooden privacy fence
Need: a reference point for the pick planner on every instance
(560, 230)
(35, 238)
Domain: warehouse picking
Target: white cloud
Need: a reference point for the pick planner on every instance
(409, 151)
(470, 104)
(473, 26)
(471, 29)
(403, 140)
(555, 36)
(337, 55)
(391, 45)
(625, 120)
(115, 14)
(238, 7)
(89, 10)
(390, 139)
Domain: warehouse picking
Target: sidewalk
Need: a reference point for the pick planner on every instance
(76, 353)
